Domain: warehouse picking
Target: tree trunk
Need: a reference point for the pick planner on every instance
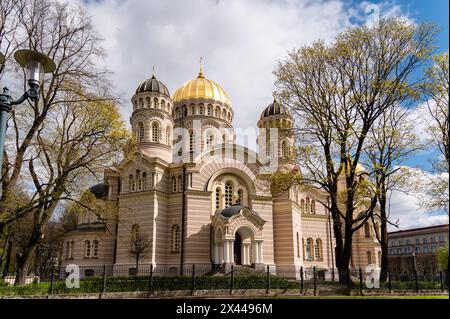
(137, 264)
(383, 241)
(343, 245)
(8, 259)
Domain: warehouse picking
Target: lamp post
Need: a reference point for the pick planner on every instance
(36, 65)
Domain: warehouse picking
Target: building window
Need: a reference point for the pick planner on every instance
(134, 233)
(307, 205)
(217, 112)
(433, 239)
(284, 149)
(228, 194)
(309, 249)
(200, 110)
(318, 249)
(192, 110)
(180, 183)
(141, 130)
(209, 109)
(144, 181)
(313, 206)
(425, 249)
(176, 238)
(168, 136)
(408, 242)
(224, 139)
(302, 206)
(95, 249)
(87, 249)
(191, 141)
(298, 246)
(239, 197)
(367, 229)
(424, 241)
(174, 184)
(369, 257)
(417, 250)
(441, 239)
(417, 241)
(155, 132)
(209, 139)
(148, 102)
(217, 198)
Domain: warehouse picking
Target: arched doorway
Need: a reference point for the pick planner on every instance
(237, 249)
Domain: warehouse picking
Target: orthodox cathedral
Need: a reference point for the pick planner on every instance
(195, 197)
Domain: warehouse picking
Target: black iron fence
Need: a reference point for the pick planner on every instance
(194, 278)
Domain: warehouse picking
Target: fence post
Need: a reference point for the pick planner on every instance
(232, 280)
(442, 281)
(268, 279)
(151, 279)
(193, 279)
(104, 279)
(360, 282)
(301, 280)
(389, 281)
(52, 280)
(315, 280)
(416, 281)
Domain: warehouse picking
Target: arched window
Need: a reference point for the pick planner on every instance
(200, 109)
(95, 249)
(309, 249)
(284, 149)
(147, 100)
(369, 257)
(155, 132)
(224, 114)
(239, 197)
(313, 206)
(174, 184)
(302, 205)
(180, 183)
(139, 180)
(87, 249)
(218, 198)
(318, 249)
(184, 110)
(307, 205)
(132, 184)
(141, 132)
(298, 246)
(168, 136)
(176, 238)
(155, 103)
(228, 194)
(209, 140)
(163, 104)
(224, 139)
(144, 181)
(367, 229)
(217, 111)
(209, 110)
(191, 141)
(141, 103)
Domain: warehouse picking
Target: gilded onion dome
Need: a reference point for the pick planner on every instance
(201, 88)
(275, 108)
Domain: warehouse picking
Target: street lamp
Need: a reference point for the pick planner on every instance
(36, 65)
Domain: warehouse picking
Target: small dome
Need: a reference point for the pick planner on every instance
(153, 85)
(201, 87)
(99, 190)
(234, 209)
(275, 108)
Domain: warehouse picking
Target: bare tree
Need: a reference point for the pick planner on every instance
(337, 92)
(139, 243)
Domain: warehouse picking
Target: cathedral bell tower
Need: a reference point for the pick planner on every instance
(151, 121)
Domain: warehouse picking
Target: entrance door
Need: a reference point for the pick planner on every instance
(237, 249)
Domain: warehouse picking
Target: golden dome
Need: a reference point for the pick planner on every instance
(201, 88)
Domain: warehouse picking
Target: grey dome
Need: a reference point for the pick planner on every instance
(99, 190)
(153, 85)
(275, 108)
(234, 209)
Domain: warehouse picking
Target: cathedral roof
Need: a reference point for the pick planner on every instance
(99, 190)
(201, 87)
(153, 85)
(275, 108)
(234, 209)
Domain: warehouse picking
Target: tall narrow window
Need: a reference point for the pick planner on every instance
(367, 229)
(209, 139)
(369, 257)
(303, 249)
(155, 103)
(318, 249)
(87, 249)
(174, 184)
(217, 198)
(141, 134)
(134, 233)
(176, 238)
(148, 102)
(141, 103)
(209, 110)
(139, 180)
(284, 150)
(228, 194)
(155, 132)
(191, 141)
(239, 197)
(313, 206)
(95, 249)
(200, 110)
(298, 246)
(217, 112)
(309, 248)
(224, 139)
(168, 136)
(180, 183)
(302, 206)
(132, 184)
(192, 110)
(307, 206)
(144, 181)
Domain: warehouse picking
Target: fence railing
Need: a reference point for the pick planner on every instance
(192, 278)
